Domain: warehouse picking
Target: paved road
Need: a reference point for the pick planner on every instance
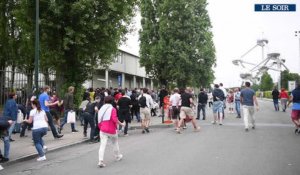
(271, 149)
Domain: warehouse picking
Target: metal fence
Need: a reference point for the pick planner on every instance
(22, 83)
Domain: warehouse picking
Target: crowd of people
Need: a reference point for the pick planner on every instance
(109, 112)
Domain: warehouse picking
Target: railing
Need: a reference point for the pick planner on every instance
(22, 83)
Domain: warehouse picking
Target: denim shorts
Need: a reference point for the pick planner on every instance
(218, 106)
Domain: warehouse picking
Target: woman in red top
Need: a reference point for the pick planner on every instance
(283, 98)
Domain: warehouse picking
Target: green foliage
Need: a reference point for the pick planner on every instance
(76, 36)
(268, 94)
(266, 82)
(176, 42)
(255, 87)
(79, 90)
(286, 76)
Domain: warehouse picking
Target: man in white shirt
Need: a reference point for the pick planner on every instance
(174, 101)
(146, 103)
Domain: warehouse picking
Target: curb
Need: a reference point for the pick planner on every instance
(34, 155)
(152, 126)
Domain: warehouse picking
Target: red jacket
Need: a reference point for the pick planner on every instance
(110, 126)
(283, 94)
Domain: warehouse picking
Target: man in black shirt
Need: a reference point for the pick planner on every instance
(124, 105)
(202, 101)
(275, 94)
(186, 111)
(218, 105)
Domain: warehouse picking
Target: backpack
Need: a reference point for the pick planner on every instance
(142, 102)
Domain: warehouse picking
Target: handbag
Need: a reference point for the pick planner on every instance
(20, 117)
(71, 118)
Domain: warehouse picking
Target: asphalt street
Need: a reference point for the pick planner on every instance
(271, 149)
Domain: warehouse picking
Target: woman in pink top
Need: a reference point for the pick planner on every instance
(107, 123)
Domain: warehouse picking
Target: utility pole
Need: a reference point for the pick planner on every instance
(36, 55)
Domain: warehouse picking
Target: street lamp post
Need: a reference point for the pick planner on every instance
(297, 34)
(36, 56)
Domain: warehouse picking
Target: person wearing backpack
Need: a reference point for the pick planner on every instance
(145, 102)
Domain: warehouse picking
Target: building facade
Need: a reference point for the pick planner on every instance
(124, 72)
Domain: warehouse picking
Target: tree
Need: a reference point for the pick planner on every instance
(266, 83)
(176, 42)
(287, 76)
(9, 38)
(76, 36)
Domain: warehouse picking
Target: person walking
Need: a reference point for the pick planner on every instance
(45, 102)
(11, 112)
(88, 115)
(40, 127)
(224, 101)
(28, 109)
(55, 110)
(145, 102)
(135, 110)
(218, 105)
(230, 100)
(295, 115)
(186, 111)
(124, 105)
(202, 101)
(210, 99)
(108, 123)
(162, 93)
(237, 101)
(275, 95)
(68, 107)
(175, 103)
(5, 124)
(284, 96)
(248, 99)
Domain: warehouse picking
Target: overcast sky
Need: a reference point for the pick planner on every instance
(236, 28)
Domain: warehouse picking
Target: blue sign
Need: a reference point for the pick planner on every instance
(120, 80)
(275, 7)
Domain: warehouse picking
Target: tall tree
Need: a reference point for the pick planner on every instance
(176, 42)
(75, 35)
(9, 38)
(266, 83)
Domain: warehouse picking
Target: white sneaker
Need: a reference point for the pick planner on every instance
(119, 157)
(45, 149)
(213, 122)
(41, 158)
(101, 165)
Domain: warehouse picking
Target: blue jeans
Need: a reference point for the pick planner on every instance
(238, 107)
(65, 120)
(276, 106)
(89, 119)
(37, 136)
(6, 146)
(11, 128)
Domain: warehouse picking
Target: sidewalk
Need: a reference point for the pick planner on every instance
(22, 148)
